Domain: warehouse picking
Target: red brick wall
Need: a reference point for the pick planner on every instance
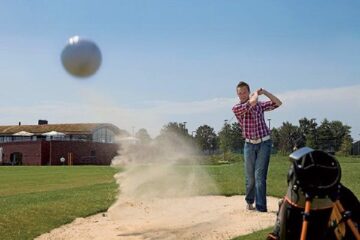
(50, 152)
(44, 153)
(82, 152)
(31, 152)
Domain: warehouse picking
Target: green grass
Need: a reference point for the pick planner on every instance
(230, 178)
(350, 177)
(34, 200)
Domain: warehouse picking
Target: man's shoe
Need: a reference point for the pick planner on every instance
(250, 207)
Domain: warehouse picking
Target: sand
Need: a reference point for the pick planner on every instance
(192, 217)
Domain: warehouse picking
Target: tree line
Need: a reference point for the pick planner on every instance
(331, 136)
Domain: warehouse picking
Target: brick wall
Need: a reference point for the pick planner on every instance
(50, 152)
(31, 152)
(82, 152)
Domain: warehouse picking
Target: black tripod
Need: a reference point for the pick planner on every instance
(313, 207)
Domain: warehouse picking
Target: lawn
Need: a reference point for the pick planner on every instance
(34, 200)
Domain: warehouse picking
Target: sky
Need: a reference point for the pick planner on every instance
(180, 61)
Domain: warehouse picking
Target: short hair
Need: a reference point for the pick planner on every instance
(243, 84)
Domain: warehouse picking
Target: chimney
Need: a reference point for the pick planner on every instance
(42, 122)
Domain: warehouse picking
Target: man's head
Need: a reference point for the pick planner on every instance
(243, 91)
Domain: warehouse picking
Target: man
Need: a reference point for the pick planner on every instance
(257, 149)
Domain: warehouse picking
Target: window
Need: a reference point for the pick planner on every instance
(103, 135)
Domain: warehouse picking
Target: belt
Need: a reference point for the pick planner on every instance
(259, 140)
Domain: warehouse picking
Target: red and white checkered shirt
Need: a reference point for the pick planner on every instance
(251, 118)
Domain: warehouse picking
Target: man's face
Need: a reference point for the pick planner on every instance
(243, 94)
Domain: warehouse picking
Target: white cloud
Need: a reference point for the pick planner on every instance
(334, 104)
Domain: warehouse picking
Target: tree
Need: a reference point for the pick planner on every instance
(175, 136)
(289, 136)
(225, 137)
(346, 146)
(230, 138)
(206, 138)
(340, 133)
(237, 141)
(308, 130)
(275, 137)
(178, 129)
(331, 135)
(143, 136)
(325, 137)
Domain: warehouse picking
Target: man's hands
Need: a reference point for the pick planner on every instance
(253, 98)
(261, 91)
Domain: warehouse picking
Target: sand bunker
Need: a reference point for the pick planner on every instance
(196, 217)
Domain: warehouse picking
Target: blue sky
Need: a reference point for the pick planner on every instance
(180, 61)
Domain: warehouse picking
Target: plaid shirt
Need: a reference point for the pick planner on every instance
(251, 118)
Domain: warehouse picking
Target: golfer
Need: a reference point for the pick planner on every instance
(257, 148)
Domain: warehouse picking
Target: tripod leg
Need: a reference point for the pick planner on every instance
(305, 221)
(336, 224)
(349, 222)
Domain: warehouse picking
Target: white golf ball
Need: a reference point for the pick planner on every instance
(81, 57)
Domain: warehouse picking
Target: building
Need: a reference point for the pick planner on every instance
(56, 144)
(355, 150)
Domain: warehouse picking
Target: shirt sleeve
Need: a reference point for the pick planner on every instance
(268, 105)
(241, 108)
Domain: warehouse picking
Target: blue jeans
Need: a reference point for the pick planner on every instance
(257, 157)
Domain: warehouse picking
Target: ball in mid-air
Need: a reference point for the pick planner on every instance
(81, 57)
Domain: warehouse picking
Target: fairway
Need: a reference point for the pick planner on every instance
(34, 200)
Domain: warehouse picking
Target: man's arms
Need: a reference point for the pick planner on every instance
(270, 96)
(254, 97)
